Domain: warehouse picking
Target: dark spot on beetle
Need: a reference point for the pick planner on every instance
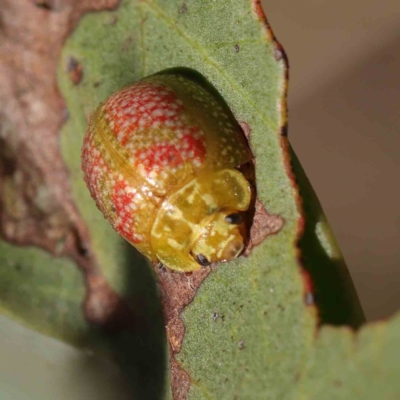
(183, 9)
(171, 158)
(235, 218)
(75, 70)
(278, 54)
(96, 84)
(215, 316)
(241, 344)
(202, 260)
(236, 48)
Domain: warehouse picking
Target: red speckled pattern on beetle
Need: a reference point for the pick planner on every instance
(165, 138)
(148, 120)
(146, 141)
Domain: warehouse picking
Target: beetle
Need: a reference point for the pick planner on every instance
(160, 158)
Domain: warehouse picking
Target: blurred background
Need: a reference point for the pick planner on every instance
(344, 124)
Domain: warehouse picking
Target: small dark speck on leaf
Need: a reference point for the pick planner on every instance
(241, 344)
(113, 20)
(284, 130)
(183, 9)
(72, 63)
(96, 84)
(50, 5)
(237, 48)
(337, 383)
(83, 248)
(74, 70)
(215, 316)
(160, 265)
(43, 4)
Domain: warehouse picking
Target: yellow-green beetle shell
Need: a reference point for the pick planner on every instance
(160, 158)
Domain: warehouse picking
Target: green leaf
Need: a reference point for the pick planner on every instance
(47, 293)
(249, 333)
(43, 291)
(345, 365)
